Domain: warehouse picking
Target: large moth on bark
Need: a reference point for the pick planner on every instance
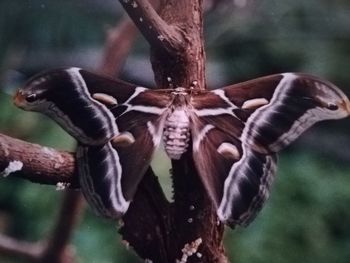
(233, 133)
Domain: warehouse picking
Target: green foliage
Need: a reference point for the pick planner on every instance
(97, 241)
(306, 218)
(278, 36)
(44, 24)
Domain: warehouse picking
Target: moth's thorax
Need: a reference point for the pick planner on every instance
(180, 91)
(176, 133)
(180, 98)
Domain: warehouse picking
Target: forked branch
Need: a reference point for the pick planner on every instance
(157, 32)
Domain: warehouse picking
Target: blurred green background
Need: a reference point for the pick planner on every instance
(307, 218)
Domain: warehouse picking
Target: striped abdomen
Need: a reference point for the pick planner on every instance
(176, 133)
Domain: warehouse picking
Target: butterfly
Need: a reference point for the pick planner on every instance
(233, 134)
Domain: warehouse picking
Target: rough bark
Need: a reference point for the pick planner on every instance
(192, 229)
(41, 164)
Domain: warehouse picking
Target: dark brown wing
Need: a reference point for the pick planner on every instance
(234, 177)
(238, 130)
(294, 103)
(140, 120)
(118, 126)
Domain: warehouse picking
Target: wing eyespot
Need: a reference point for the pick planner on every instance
(332, 106)
(31, 98)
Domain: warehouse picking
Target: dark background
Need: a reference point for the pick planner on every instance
(307, 217)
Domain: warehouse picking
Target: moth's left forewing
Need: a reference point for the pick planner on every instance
(281, 107)
(252, 121)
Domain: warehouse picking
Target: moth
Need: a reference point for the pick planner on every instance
(233, 133)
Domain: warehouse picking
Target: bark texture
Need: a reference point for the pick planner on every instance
(192, 232)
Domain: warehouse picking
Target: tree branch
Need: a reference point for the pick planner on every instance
(192, 216)
(148, 211)
(41, 164)
(47, 166)
(187, 63)
(118, 44)
(155, 30)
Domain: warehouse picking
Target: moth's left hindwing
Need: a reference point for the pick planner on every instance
(237, 178)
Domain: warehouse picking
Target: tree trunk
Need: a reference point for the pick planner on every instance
(188, 229)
